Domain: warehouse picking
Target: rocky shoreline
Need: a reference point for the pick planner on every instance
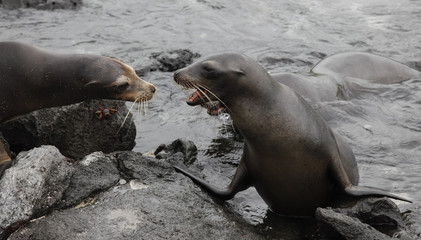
(114, 193)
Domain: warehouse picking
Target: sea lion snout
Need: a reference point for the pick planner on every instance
(175, 75)
(138, 90)
(152, 88)
(134, 87)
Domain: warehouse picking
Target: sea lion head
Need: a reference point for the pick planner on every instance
(116, 80)
(218, 78)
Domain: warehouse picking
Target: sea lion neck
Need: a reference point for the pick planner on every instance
(257, 108)
(89, 74)
(86, 69)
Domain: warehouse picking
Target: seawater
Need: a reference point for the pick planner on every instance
(383, 125)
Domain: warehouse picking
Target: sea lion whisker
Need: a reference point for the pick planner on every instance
(189, 85)
(213, 94)
(146, 108)
(203, 93)
(140, 112)
(130, 109)
(184, 86)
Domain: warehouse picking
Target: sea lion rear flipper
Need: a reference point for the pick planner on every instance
(338, 172)
(371, 191)
(240, 182)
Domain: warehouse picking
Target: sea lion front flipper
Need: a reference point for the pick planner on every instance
(371, 191)
(5, 161)
(240, 182)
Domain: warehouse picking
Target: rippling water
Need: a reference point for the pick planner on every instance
(383, 126)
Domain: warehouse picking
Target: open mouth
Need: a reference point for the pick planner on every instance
(201, 97)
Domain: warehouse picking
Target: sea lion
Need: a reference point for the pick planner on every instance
(31, 79)
(291, 156)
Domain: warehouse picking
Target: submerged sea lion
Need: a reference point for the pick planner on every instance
(31, 79)
(342, 75)
(291, 156)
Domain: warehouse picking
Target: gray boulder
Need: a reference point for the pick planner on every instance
(32, 186)
(74, 129)
(340, 226)
(95, 173)
(368, 218)
(381, 212)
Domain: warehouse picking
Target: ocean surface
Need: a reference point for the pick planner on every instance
(383, 125)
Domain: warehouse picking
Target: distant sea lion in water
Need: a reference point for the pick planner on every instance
(31, 79)
(291, 156)
(340, 76)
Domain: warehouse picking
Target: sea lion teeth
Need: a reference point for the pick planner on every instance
(198, 97)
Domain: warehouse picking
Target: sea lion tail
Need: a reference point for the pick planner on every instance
(371, 191)
(222, 194)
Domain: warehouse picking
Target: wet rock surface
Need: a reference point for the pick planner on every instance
(41, 4)
(169, 61)
(95, 173)
(340, 226)
(378, 212)
(126, 195)
(183, 149)
(75, 129)
(367, 218)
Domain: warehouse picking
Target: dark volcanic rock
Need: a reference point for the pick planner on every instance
(95, 173)
(179, 148)
(74, 130)
(41, 4)
(169, 61)
(381, 212)
(340, 226)
(32, 186)
(368, 218)
(145, 169)
(174, 60)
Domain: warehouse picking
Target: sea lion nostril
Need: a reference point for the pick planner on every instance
(175, 74)
(153, 89)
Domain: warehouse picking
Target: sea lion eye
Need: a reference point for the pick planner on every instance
(208, 68)
(122, 87)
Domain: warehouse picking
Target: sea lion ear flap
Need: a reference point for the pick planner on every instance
(239, 72)
(91, 83)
